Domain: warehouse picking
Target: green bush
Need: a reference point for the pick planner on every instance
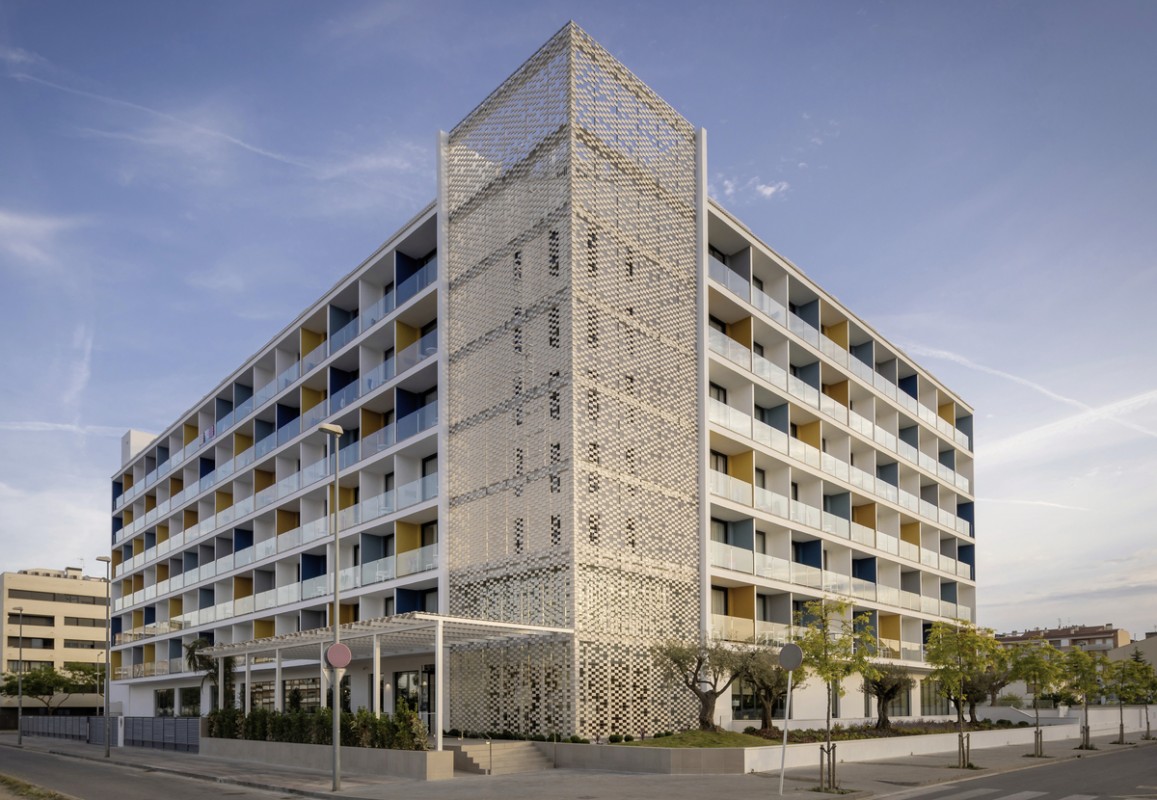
(628, 738)
(404, 731)
(614, 738)
(1010, 701)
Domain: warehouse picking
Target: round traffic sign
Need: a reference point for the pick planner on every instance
(791, 657)
(338, 656)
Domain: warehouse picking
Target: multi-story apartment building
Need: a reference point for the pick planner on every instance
(61, 621)
(1093, 638)
(576, 394)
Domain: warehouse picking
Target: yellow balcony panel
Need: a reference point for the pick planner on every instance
(404, 335)
(838, 392)
(162, 533)
(242, 586)
(865, 515)
(741, 332)
(189, 518)
(138, 546)
(150, 502)
(311, 340)
(222, 501)
(127, 481)
(890, 626)
(838, 333)
(287, 521)
(162, 571)
(809, 433)
(262, 479)
(189, 434)
(910, 533)
(407, 536)
(241, 443)
(176, 486)
(947, 413)
(264, 628)
(371, 422)
(176, 607)
(742, 466)
(741, 602)
(311, 398)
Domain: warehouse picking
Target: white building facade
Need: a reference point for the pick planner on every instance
(576, 394)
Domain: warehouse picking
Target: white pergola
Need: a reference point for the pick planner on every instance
(412, 633)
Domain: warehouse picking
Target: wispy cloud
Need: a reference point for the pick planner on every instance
(33, 239)
(1111, 412)
(19, 58)
(1041, 503)
(734, 188)
(60, 427)
(364, 21)
(81, 369)
(187, 125)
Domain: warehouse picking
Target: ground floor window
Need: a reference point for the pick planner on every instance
(163, 702)
(190, 701)
(932, 701)
(900, 706)
(745, 704)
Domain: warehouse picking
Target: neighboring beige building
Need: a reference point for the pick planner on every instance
(63, 623)
(1093, 638)
(1146, 646)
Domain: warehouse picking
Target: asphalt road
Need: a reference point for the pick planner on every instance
(92, 780)
(1128, 773)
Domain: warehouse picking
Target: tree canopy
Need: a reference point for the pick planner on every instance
(52, 687)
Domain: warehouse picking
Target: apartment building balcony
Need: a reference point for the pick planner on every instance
(741, 288)
(732, 629)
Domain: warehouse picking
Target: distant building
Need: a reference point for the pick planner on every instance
(62, 622)
(1093, 638)
(1147, 647)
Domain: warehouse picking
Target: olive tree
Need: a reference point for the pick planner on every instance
(706, 669)
(768, 681)
(885, 683)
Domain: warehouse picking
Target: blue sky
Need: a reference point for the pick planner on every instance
(179, 180)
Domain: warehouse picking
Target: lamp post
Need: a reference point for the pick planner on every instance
(20, 681)
(337, 655)
(107, 645)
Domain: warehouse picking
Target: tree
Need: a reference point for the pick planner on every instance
(885, 683)
(835, 645)
(1040, 666)
(998, 674)
(219, 672)
(958, 652)
(48, 685)
(707, 669)
(768, 681)
(1127, 680)
(1083, 678)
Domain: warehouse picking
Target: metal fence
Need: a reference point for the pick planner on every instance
(162, 733)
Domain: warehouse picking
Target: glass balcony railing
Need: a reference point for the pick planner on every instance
(377, 312)
(413, 561)
(414, 284)
(343, 336)
(732, 629)
(726, 556)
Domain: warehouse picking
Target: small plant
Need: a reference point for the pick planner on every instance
(614, 738)
(628, 738)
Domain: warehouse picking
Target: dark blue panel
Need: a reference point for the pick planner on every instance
(948, 458)
(312, 565)
(286, 414)
(810, 374)
(150, 615)
(261, 429)
(205, 598)
(809, 313)
(340, 378)
(409, 600)
(407, 402)
(865, 353)
(206, 465)
(404, 266)
(242, 539)
(948, 592)
(890, 473)
(910, 385)
(241, 393)
(742, 534)
(808, 553)
(864, 569)
(223, 407)
(910, 435)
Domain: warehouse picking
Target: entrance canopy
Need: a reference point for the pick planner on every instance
(404, 634)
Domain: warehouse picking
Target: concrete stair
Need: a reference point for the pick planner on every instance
(508, 757)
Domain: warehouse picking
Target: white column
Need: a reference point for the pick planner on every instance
(439, 677)
(278, 692)
(221, 681)
(377, 690)
(324, 673)
(248, 683)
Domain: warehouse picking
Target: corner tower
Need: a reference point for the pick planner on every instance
(570, 214)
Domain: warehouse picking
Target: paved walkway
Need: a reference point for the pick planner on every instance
(878, 778)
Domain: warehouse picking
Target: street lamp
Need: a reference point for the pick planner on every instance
(337, 656)
(20, 681)
(107, 645)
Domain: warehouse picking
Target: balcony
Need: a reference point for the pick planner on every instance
(732, 629)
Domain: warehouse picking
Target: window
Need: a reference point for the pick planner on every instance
(45, 621)
(592, 482)
(716, 253)
(760, 478)
(757, 348)
(760, 542)
(517, 271)
(553, 324)
(593, 528)
(593, 403)
(429, 534)
(555, 460)
(83, 644)
(555, 400)
(757, 283)
(517, 334)
(518, 524)
(630, 263)
(429, 466)
(932, 702)
(555, 529)
(631, 532)
(593, 253)
(717, 392)
(718, 600)
(718, 531)
(593, 452)
(794, 490)
(717, 324)
(553, 251)
(718, 462)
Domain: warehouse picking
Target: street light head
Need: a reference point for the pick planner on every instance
(331, 429)
(18, 609)
(104, 559)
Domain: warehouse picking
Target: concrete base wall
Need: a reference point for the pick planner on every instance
(423, 766)
(738, 761)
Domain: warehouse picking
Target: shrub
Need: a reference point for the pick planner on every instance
(628, 738)
(1010, 701)
(614, 738)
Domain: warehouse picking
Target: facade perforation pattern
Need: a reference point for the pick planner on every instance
(594, 228)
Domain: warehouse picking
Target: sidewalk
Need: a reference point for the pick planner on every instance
(867, 779)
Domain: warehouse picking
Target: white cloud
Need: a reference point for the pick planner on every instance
(60, 427)
(768, 190)
(48, 526)
(19, 58)
(34, 239)
(81, 369)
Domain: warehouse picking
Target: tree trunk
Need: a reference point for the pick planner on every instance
(882, 721)
(706, 710)
(765, 708)
(972, 712)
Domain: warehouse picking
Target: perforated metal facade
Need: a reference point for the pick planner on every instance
(572, 443)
